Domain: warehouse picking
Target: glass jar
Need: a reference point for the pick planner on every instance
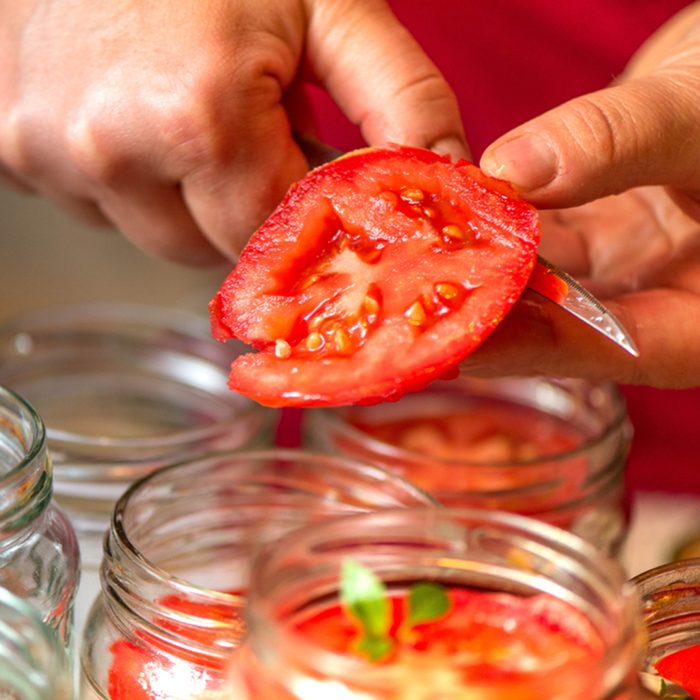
(33, 664)
(522, 593)
(177, 557)
(39, 560)
(671, 612)
(123, 390)
(550, 449)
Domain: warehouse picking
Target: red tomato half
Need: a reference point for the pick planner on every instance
(378, 273)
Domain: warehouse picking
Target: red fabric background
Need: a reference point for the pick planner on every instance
(509, 60)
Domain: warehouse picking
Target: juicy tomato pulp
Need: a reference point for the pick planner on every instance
(378, 273)
(485, 433)
(489, 454)
(502, 644)
(151, 668)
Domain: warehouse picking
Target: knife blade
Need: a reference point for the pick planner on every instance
(547, 279)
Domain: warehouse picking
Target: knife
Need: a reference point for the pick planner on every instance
(546, 279)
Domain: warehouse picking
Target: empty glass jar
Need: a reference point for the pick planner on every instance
(175, 575)
(551, 449)
(39, 560)
(534, 613)
(123, 389)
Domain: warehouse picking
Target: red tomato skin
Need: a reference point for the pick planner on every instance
(683, 669)
(260, 301)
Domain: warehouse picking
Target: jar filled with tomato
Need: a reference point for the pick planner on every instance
(123, 389)
(175, 575)
(449, 603)
(671, 612)
(39, 560)
(550, 449)
(33, 663)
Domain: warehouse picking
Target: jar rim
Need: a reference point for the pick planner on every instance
(140, 322)
(31, 476)
(37, 431)
(337, 421)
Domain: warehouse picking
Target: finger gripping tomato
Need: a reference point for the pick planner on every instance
(378, 273)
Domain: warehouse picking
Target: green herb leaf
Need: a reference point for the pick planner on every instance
(666, 692)
(426, 602)
(364, 595)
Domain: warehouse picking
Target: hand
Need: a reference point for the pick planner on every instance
(172, 121)
(639, 251)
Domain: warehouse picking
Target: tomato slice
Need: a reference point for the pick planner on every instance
(682, 668)
(378, 273)
(150, 668)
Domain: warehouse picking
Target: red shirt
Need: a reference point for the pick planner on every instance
(509, 60)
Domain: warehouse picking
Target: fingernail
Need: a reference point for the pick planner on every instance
(451, 146)
(527, 162)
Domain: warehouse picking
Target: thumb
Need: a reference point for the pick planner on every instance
(381, 78)
(642, 132)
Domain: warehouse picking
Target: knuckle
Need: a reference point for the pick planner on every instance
(598, 128)
(92, 148)
(19, 135)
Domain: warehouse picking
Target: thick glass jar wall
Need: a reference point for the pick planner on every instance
(123, 389)
(175, 576)
(39, 560)
(551, 449)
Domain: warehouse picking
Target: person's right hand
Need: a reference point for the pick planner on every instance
(172, 121)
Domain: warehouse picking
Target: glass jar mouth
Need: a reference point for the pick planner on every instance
(435, 541)
(126, 384)
(32, 441)
(335, 418)
(26, 485)
(241, 499)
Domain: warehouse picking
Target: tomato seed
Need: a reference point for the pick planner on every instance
(447, 291)
(453, 232)
(282, 349)
(412, 194)
(371, 305)
(314, 341)
(311, 279)
(390, 198)
(342, 342)
(370, 255)
(429, 212)
(415, 314)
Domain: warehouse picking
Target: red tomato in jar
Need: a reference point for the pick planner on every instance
(378, 273)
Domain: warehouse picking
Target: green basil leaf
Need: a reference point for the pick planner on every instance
(426, 602)
(375, 647)
(365, 596)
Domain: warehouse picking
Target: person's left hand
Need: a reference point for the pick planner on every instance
(638, 251)
(640, 254)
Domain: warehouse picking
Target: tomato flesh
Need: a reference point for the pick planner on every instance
(378, 273)
(682, 668)
(151, 668)
(494, 645)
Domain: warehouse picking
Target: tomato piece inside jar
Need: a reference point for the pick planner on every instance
(489, 644)
(378, 273)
